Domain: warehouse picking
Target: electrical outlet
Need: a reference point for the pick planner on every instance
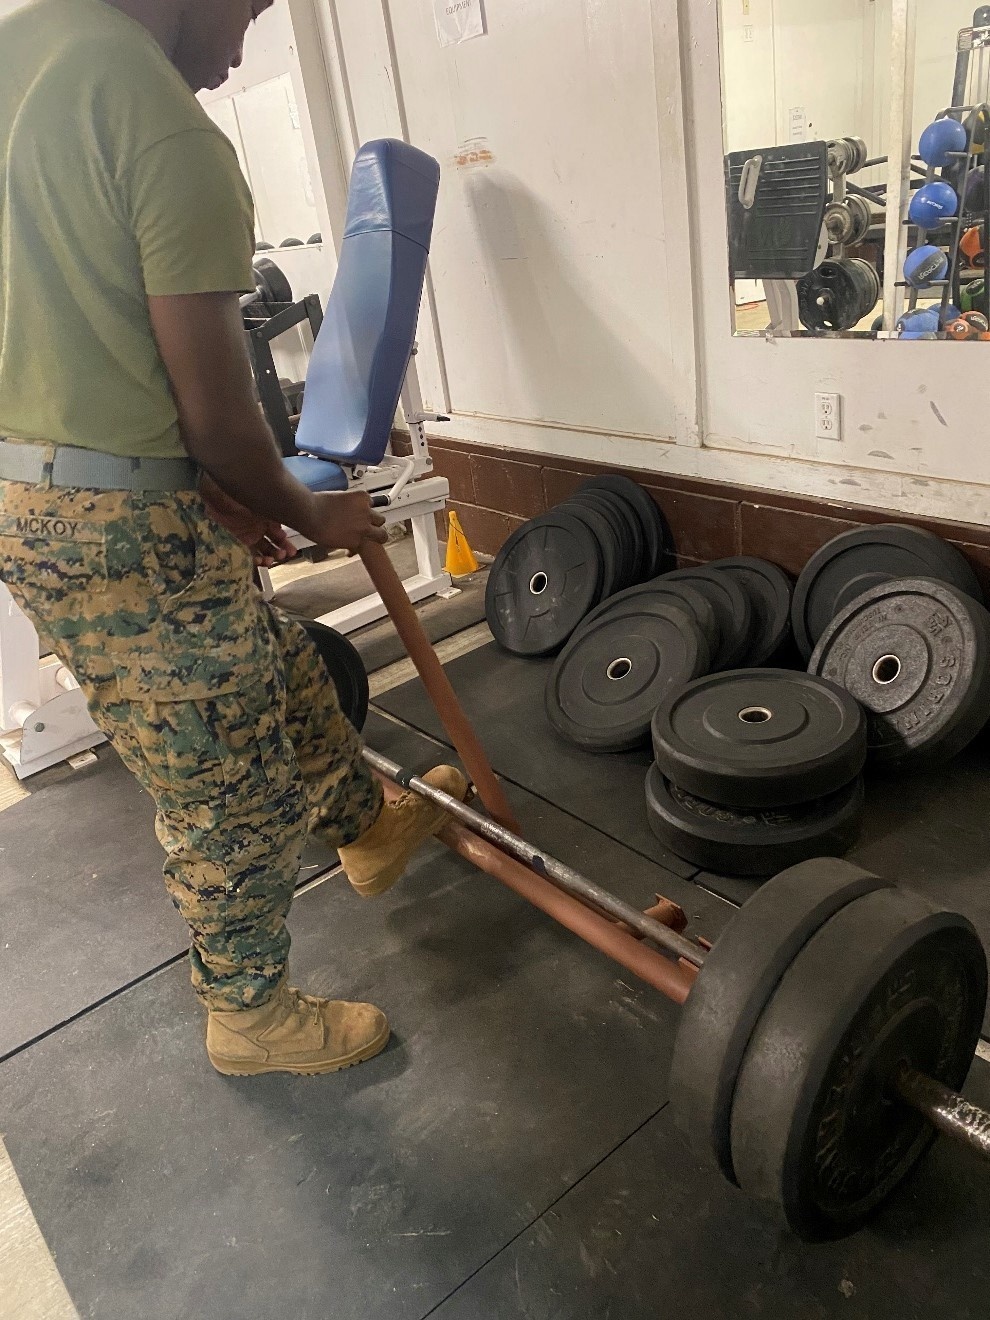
(828, 416)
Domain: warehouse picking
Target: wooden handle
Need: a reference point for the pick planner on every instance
(437, 684)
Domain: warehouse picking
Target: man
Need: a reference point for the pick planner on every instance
(128, 430)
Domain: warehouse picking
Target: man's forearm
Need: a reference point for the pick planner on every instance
(248, 467)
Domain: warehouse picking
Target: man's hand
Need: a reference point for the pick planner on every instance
(342, 520)
(267, 539)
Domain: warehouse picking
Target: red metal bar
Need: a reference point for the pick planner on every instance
(437, 684)
(672, 979)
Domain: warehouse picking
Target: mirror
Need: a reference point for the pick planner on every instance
(807, 92)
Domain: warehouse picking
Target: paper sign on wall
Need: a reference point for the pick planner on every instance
(459, 20)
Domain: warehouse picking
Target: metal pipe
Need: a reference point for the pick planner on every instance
(436, 682)
(672, 979)
(563, 877)
(951, 1113)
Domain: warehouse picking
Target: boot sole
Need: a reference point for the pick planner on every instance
(236, 1068)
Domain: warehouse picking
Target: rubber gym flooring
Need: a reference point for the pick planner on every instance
(509, 1155)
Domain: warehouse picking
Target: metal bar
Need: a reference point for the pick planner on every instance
(946, 1110)
(672, 979)
(436, 682)
(561, 876)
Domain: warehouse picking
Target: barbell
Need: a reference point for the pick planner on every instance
(824, 1036)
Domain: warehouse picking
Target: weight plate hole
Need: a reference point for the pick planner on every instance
(886, 669)
(538, 583)
(755, 715)
(618, 669)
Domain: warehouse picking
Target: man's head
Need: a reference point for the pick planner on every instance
(209, 41)
(204, 39)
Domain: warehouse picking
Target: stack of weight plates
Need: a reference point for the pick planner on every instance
(915, 652)
(757, 770)
(631, 651)
(560, 566)
(857, 561)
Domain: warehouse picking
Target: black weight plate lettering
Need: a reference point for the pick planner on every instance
(817, 1132)
(608, 544)
(770, 591)
(736, 983)
(346, 669)
(760, 738)
(739, 842)
(916, 655)
(646, 510)
(679, 594)
(732, 609)
(866, 557)
(620, 529)
(545, 579)
(605, 686)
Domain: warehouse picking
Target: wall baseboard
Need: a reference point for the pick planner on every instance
(494, 492)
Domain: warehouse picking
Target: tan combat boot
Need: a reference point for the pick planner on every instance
(294, 1033)
(380, 856)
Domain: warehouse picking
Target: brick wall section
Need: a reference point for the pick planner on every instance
(494, 494)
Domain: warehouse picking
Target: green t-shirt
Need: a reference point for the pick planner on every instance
(114, 185)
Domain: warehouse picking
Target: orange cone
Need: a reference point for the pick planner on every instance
(460, 556)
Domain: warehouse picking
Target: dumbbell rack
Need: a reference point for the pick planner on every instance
(970, 96)
(956, 226)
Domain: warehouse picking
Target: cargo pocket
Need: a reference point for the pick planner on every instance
(211, 637)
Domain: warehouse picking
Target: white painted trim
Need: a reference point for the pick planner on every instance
(671, 124)
(903, 55)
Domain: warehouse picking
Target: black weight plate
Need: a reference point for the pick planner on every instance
(623, 537)
(759, 842)
(866, 557)
(916, 655)
(679, 594)
(346, 669)
(736, 983)
(760, 738)
(272, 281)
(817, 1131)
(770, 591)
(605, 686)
(608, 544)
(732, 609)
(638, 568)
(649, 515)
(545, 579)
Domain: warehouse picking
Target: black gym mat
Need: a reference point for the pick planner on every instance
(649, 1234)
(520, 1060)
(83, 908)
(504, 697)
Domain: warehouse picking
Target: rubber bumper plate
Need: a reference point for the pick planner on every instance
(760, 738)
(916, 655)
(752, 842)
(609, 679)
(862, 559)
(346, 669)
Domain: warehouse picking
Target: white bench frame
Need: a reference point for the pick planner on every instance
(44, 718)
(414, 496)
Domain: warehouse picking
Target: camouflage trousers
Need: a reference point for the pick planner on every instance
(218, 704)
